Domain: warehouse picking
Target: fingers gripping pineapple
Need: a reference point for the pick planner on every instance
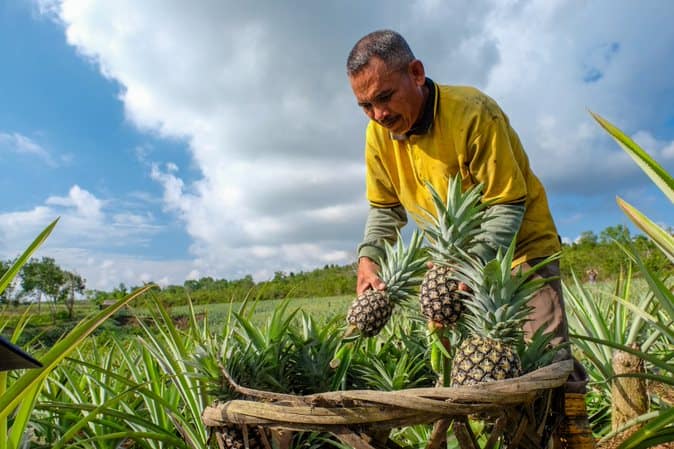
(451, 230)
(496, 313)
(400, 270)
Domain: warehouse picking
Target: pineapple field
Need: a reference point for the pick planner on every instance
(151, 390)
(438, 359)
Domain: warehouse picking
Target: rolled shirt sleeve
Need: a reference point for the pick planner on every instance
(499, 230)
(382, 225)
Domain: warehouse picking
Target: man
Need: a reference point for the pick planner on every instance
(421, 131)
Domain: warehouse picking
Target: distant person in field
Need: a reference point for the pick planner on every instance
(592, 274)
(420, 131)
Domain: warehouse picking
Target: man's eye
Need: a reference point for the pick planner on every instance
(385, 97)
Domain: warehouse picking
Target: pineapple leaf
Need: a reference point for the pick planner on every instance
(456, 221)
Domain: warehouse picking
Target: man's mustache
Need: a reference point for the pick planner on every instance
(389, 121)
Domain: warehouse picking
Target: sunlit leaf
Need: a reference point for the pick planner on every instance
(20, 390)
(659, 175)
(662, 239)
(16, 266)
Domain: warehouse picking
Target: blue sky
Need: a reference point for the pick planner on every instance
(221, 138)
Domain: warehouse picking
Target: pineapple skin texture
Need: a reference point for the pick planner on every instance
(480, 359)
(439, 298)
(370, 312)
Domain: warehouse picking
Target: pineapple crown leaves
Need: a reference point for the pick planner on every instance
(539, 351)
(498, 302)
(402, 268)
(456, 222)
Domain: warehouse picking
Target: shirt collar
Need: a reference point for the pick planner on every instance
(425, 121)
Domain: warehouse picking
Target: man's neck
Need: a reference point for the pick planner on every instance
(425, 119)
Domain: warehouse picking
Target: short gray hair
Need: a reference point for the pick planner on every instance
(387, 45)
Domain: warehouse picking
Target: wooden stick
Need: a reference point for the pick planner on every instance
(219, 438)
(519, 432)
(263, 437)
(244, 430)
(496, 432)
(349, 437)
(439, 435)
(464, 435)
(418, 403)
(281, 438)
(509, 391)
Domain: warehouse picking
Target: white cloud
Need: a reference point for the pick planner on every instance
(557, 60)
(259, 93)
(20, 144)
(658, 149)
(105, 271)
(89, 228)
(86, 205)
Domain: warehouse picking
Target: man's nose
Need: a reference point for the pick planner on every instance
(380, 112)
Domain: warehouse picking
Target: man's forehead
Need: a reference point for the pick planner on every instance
(374, 78)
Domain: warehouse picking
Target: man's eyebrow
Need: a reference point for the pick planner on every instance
(381, 95)
(384, 94)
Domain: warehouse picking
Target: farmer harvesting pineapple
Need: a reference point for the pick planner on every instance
(422, 134)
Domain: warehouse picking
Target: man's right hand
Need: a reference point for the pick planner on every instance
(368, 277)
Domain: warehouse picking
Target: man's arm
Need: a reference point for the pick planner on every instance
(382, 225)
(499, 230)
(497, 161)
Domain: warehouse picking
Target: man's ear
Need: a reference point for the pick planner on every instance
(417, 72)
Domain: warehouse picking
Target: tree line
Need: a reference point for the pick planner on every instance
(42, 280)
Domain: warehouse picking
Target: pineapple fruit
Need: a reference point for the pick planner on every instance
(496, 312)
(451, 230)
(400, 270)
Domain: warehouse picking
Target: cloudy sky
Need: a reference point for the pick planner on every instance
(216, 138)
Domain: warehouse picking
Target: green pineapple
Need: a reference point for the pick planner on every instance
(451, 231)
(497, 310)
(399, 270)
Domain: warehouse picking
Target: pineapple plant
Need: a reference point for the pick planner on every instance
(400, 270)
(496, 312)
(451, 230)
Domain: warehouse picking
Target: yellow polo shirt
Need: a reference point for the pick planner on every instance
(470, 135)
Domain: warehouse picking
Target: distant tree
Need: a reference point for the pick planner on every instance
(653, 258)
(205, 282)
(6, 295)
(73, 283)
(42, 278)
(45, 278)
(191, 285)
(120, 291)
(619, 233)
(174, 289)
(587, 238)
(97, 296)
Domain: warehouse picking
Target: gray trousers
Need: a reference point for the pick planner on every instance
(549, 311)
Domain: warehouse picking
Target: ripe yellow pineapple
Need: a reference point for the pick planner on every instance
(399, 270)
(451, 229)
(496, 312)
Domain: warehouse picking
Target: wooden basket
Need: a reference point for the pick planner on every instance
(521, 411)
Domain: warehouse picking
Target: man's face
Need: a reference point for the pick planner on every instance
(393, 98)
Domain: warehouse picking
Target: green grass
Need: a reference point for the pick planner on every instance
(319, 308)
